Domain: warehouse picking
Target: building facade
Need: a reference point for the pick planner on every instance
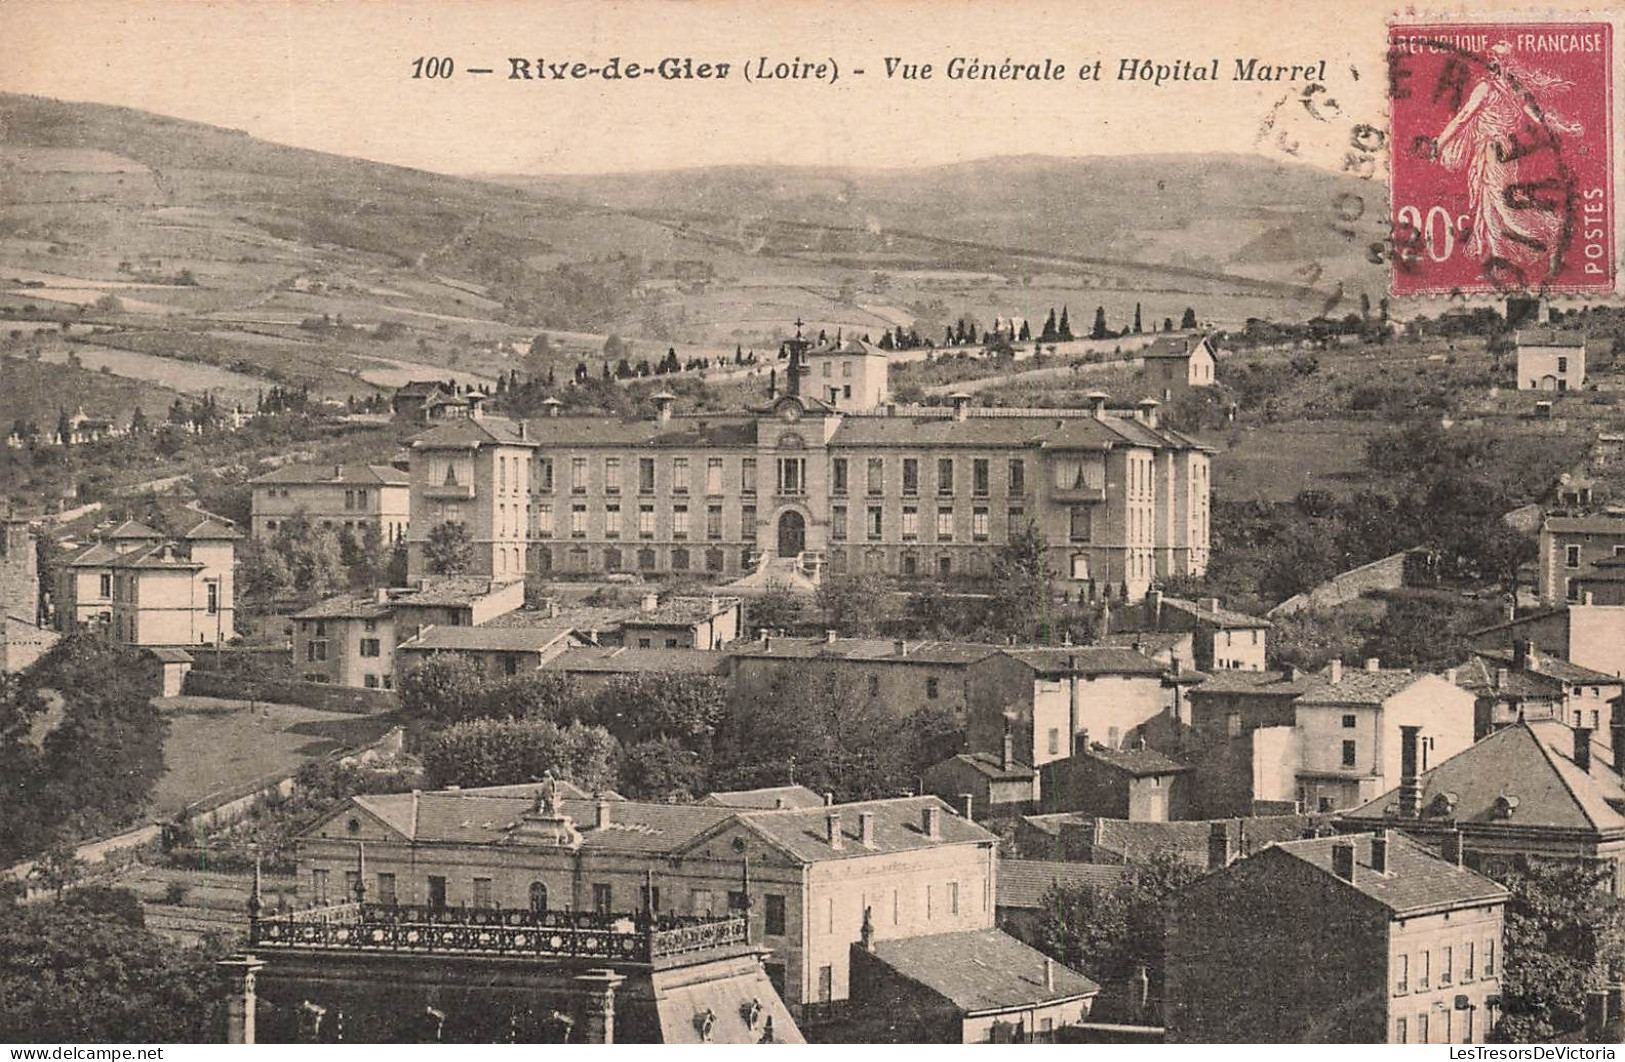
(1550, 361)
(1121, 499)
(339, 497)
(1569, 547)
(1370, 938)
(177, 593)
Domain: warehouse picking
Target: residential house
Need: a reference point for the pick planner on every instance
(1370, 938)
(338, 497)
(984, 785)
(1050, 697)
(1175, 364)
(1569, 547)
(180, 592)
(590, 667)
(1222, 639)
(978, 986)
(1138, 784)
(1535, 788)
(84, 585)
(411, 400)
(1603, 583)
(1162, 646)
(683, 622)
(1524, 683)
(804, 876)
(499, 652)
(1590, 636)
(1349, 723)
(1549, 360)
(1241, 744)
(1122, 499)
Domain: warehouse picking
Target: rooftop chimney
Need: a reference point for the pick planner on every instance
(930, 822)
(1451, 848)
(830, 636)
(601, 819)
(1049, 974)
(1007, 761)
(1520, 654)
(961, 402)
(1211, 604)
(832, 830)
(650, 602)
(967, 805)
(1218, 846)
(1153, 608)
(1410, 777)
(1379, 851)
(900, 647)
(866, 829)
(381, 595)
(1336, 672)
(1097, 404)
(338, 471)
(1145, 411)
(779, 803)
(829, 799)
(1343, 860)
(1373, 663)
(553, 406)
(663, 404)
(524, 432)
(1501, 675)
(1582, 748)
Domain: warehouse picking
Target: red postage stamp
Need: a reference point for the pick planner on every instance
(1502, 158)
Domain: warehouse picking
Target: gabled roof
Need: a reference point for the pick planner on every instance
(453, 817)
(1531, 763)
(470, 432)
(679, 611)
(801, 833)
(982, 971)
(1550, 667)
(447, 591)
(1123, 839)
(346, 606)
(989, 766)
(687, 431)
(1357, 686)
(1485, 678)
(95, 555)
(210, 529)
(420, 388)
(792, 796)
(483, 640)
(622, 660)
(1598, 524)
(1087, 660)
(871, 650)
(132, 530)
(1140, 763)
(1023, 883)
(1547, 337)
(336, 475)
(1417, 879)
(159, 556)
(1253, 683)
(1173, 346)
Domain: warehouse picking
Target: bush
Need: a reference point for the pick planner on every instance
(483, 752)
(175, 893)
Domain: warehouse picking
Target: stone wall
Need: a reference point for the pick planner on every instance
(1385, 574)
(309, 694)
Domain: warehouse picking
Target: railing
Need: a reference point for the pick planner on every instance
(416, 929)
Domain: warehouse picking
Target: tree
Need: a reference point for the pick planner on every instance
(778, 608)
(1137, 328)
(59, 867)
(662, 771)
(1099, 330)
(655, 706)
(1565, 934)
(448, 550)
(852, 604)
(480, 752)
(445, 688)
(1111, 932)
(1020, 606)
(1063, 331)
(71, 973)
(1188, 319)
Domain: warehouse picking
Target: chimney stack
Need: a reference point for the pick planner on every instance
(1582, 748)
(1336, 674)
(830, 636)
(1097, 404)
(1218, 846)
(338, 471)
(1049, 974)
(1146, 411)
(1007, 759)
(650, 602)
(1451, 848)
(930, 822)
(552, 405)
(829, 799)
(967, 804)
(1410, 775)
(1501, 676)
(832, 830)
(601, 820)
(1520, 654)
(961, 402)
(1211, 604)
(663, 403)
(1373, 663)
(900, 647)
(866, 829)
(1379, 851)
(1343, 860)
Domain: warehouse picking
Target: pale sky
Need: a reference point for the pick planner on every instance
(336, 76)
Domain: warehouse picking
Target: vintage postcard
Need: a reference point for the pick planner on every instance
(866, 523)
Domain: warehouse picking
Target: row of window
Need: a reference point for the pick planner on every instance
(1444, 1024)
(579, 559)
(1420, 975)
(791, 475)
(981, 476)
(614, 482)
(614, 526)
(875, 521)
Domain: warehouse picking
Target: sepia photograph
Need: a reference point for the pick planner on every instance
(867, 522)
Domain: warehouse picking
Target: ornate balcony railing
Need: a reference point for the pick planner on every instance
(414, 929)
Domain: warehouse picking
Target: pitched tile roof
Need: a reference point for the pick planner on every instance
(95, 555)
(1023, 883)
(619, 659)
(346, 606)
(991, 767)
(1417, 879)
(132, 529)
(875, 650)
(602, 619)
(469, 432)
(440, 591)
(982, 971)
(1186, 839)
(678, 611)
(440, 638)
(453, 817)
(1087, 660)
(1172, 347)
(1483, 674)
(898, 827)
(210, 529)
(794, 796)
(337, 475)
(1357, 686)
(1532, 764)
(1258, 683)
(687, 431)
(1148, 642)
(1554, 667)
(1548, 337)
(1591, 525)
(1141, 763)
(1223, 618)
(159, 556)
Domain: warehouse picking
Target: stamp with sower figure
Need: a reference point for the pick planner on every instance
(1502, 157)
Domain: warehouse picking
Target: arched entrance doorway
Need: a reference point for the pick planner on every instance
(792, 533)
